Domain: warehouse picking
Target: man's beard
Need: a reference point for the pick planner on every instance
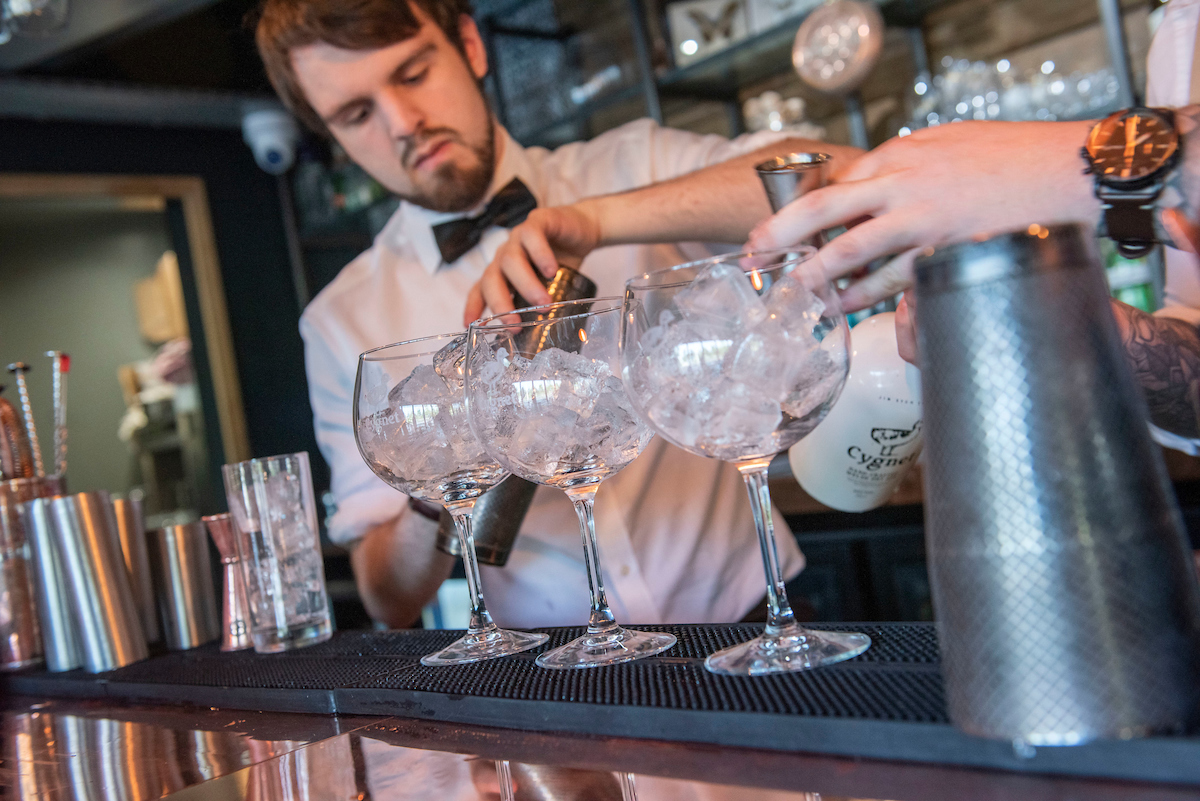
(455, 189)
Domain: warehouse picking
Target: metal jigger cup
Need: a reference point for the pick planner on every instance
(235, 630)
(783, 176)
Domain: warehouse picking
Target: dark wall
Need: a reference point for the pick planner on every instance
(248, 222)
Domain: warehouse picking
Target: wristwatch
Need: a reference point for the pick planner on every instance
(1131, 153)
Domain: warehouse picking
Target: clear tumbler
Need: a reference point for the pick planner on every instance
(272, 504)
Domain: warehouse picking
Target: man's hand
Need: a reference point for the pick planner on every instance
(939, 185)
(718, 203)
(548, 236)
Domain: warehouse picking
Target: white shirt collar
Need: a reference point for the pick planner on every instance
(412, 225)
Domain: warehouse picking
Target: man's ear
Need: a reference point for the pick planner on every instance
(473, 49)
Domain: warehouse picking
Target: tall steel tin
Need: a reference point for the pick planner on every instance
(1065, 594)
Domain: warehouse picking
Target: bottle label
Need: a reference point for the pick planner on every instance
(877, 467)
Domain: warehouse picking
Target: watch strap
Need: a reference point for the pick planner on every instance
(1129, 222)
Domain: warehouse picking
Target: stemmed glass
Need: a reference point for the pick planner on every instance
(546, 400)
(738, 358)
(410, 423)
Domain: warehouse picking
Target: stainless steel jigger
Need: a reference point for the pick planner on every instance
(783, 176)
(235, 630)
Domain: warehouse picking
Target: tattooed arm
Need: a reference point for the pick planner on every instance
(1165, 356)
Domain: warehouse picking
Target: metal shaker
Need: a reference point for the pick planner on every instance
(60, 630)
(235, 608)
(1065, 594)
(20, 630)
(131, 531)
(498, 514)
(109, 626)
(183, 583)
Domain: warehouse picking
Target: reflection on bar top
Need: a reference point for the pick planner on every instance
(101, 750)
(84, 750)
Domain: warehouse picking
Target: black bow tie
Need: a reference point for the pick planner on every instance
(509, 207)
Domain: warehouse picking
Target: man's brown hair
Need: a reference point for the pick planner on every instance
(284, 25)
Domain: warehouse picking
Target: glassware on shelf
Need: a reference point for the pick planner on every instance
(1000, 91)
(547, 402)
(738, 358)
(35, 17)
(411, 426)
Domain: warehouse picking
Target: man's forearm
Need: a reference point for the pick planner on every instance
(398, 569)
(1165, 356)
(720, 203)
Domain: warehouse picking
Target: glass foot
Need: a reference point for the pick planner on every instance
(606, 648)
(481, 645)
(788, 649)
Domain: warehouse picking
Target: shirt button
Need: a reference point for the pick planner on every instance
(624, 570)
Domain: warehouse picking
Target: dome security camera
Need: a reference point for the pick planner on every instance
(272, 135)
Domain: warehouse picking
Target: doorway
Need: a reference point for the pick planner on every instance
(120, 272)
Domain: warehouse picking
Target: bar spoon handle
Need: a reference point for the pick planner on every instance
(60, 365)
(18, 369)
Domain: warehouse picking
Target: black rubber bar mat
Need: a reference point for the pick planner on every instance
(886, 704)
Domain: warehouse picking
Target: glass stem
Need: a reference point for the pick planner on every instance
(628, 787)
(481, 621)
(779, 611)
(504, 776)
(601, 618)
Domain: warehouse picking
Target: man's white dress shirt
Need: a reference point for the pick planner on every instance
(675, 532)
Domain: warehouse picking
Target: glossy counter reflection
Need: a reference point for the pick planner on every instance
(97, 751)
(84, 752)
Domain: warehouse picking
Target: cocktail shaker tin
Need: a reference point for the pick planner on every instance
(60, 630)
(110, 628)
(183, 584)
(131, 531)
(1065, 594)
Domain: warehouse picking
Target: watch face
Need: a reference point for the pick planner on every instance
(1128, 147)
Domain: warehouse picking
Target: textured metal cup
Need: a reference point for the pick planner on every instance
(101, 599)
(498, 515)
(20, 631)
(235, 626)
(1066, 598)
(131, 531)
(60, 630)
(183, 584)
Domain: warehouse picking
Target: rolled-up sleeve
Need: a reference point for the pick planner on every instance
(363, 499)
